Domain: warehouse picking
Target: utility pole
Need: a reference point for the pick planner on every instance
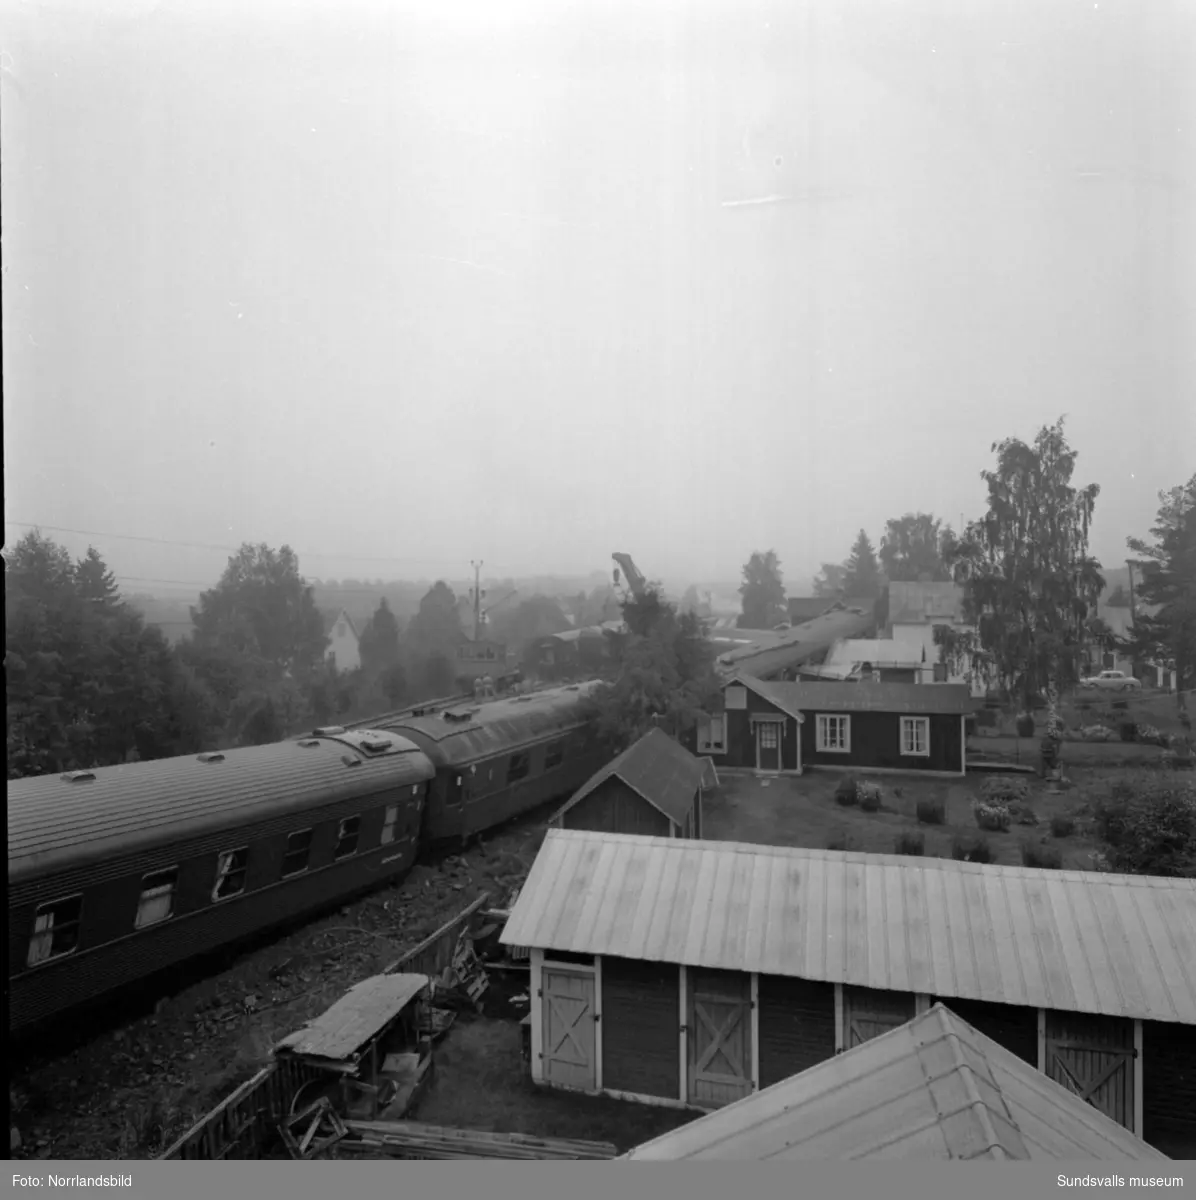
(477, 599)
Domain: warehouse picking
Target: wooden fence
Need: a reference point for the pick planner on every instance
(244, 1124)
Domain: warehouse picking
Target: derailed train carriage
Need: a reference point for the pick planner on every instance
(122, 872)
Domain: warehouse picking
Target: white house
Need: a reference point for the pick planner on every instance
(344, 648)
(914, 610)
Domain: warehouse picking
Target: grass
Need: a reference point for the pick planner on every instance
(802, 812)
(481, 1082)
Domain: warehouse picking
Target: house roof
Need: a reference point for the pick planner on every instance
(663, 772)
(332, 615)
(1076, 941)
(55, 821)
(936, 1088)
(785, 649)
(917, 603)
(359, 1015)
(881, 652)
(835, 696)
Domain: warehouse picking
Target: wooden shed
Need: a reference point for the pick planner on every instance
(787, 728)
(694, 973)
(934, 1088)
(653, 788)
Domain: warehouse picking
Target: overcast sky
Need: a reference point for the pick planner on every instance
(476, 280)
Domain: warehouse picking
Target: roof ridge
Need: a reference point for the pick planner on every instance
(975, 1101)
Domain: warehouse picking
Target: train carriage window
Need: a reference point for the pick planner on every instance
(298, 852)
(555, 755)
(388, 824)
(520, 765)
(346, 837)
(157, 897)
(55, 930)
(230, 873)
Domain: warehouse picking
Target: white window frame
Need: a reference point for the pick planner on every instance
(287, 850)
(707, 742)
(41, 942)
(341, 834)
(909, 724)
(821, 742)
(224, 865)
(156, 903)
(390, 819)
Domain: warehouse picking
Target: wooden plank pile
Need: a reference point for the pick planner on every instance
(411, 1140)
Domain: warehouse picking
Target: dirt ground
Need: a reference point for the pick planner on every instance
(802, 811)
(481, 1082)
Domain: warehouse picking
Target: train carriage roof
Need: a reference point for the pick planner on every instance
(469, 732)
(56, 822)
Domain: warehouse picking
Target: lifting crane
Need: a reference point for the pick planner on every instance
(635, 581)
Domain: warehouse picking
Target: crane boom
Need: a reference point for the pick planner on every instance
(635, 581)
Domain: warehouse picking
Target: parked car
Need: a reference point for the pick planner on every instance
(1112, 681)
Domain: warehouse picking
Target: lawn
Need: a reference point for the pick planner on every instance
(802, 811)
(481, 1082)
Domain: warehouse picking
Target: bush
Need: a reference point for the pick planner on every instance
(1041, 856)
(1096, 733)
(1004, 789)
(840, 840)
(1025, 725)
(974, 850)
(1148, 735)
(1148, 827)
(1121, 705)
(1023, 814)
(931, 812)
(868, 796)
(993, 817)
(847, 790)
(910, 843)
(1128, 731)
(1062, 827)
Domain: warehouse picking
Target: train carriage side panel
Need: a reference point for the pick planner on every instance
(382, 803)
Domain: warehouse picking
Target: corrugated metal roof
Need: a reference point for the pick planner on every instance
(658, 768)
(795, 646)
(934, 1089)
(1123, 945)
(495, 726)
(833, 696)
(361, 1013)
(54, 823)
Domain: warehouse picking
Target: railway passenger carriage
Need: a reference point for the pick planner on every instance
(499, 759)
(118, 873)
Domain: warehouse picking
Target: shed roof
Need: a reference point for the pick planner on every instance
(936, 1088)
(834, 696)
(55, 821)
(1079, 941)
(783, 650)
(663, 772)
(362, 1012)
(495, 726)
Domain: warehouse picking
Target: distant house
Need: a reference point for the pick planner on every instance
(787, 728)
(653, 788)
(806, 608)
(477, 659)
(914, 610)
(574, 652)
(344, 644)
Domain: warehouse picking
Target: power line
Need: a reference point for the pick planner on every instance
(132, 537)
